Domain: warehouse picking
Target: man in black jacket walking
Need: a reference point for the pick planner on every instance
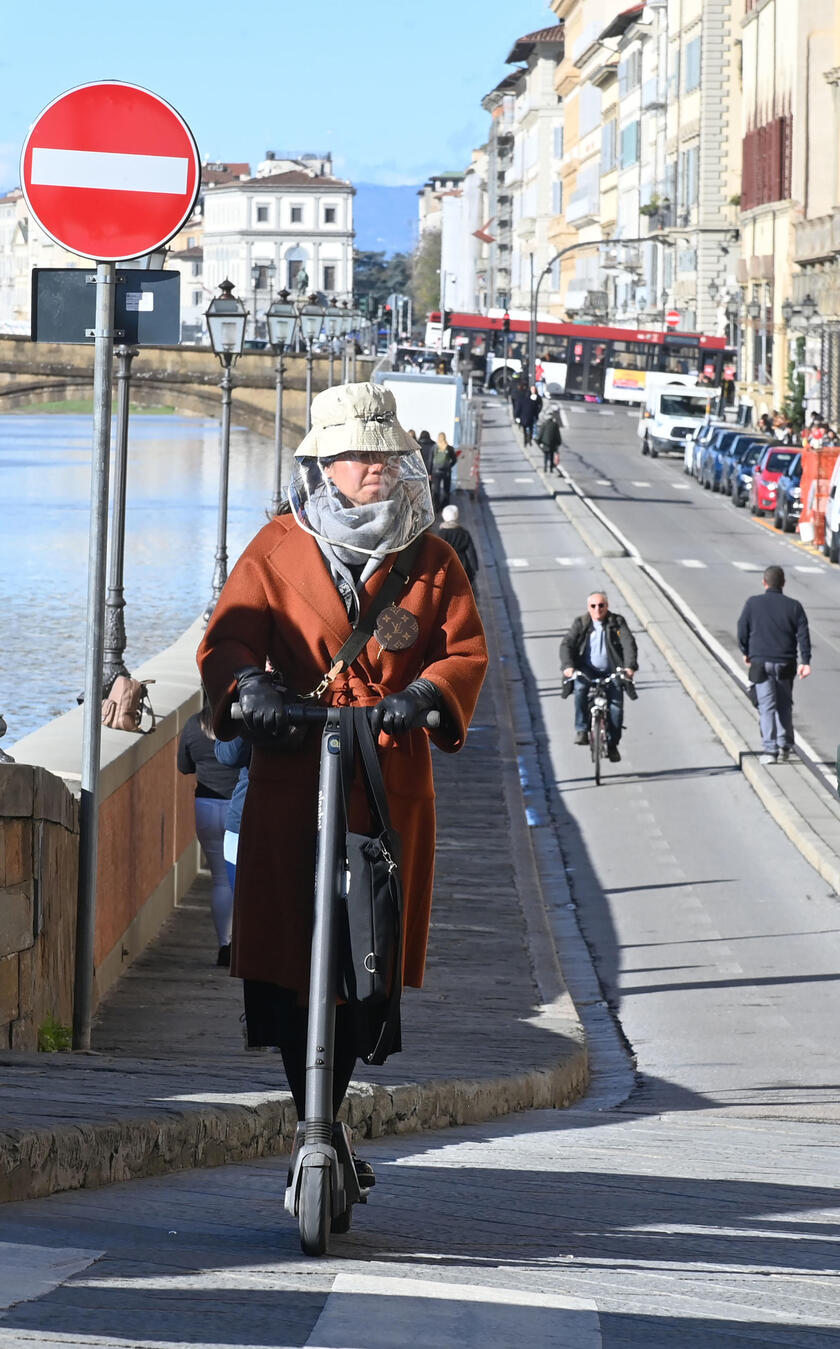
(770, 629)
(599, 643)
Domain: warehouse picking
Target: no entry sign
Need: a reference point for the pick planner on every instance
(110, 171)
(672, 318)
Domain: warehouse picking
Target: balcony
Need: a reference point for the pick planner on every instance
(583, 208)
(818, 239)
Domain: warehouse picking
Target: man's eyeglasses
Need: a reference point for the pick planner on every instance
(598, 604)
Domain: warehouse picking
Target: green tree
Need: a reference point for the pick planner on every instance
(426, 275)
(793, 407)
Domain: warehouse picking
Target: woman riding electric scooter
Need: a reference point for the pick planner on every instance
(358, 510)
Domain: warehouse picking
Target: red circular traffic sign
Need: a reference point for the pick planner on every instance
(673, 317)
(110, 171)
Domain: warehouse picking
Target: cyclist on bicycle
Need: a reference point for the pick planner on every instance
(597, 644)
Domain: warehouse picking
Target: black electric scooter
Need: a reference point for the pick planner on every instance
(323, 1185)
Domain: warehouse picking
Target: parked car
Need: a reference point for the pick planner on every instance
(765, 479)
(831, 547)
(789, 497)
(741, 478)
(710, 466)
(735, 454)
(694, 444)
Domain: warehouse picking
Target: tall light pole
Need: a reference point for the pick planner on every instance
(226, 319)
(310, 317)
(115, 639)
(281, 318)
(332, 324)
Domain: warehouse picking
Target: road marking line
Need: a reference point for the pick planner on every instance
(690, 562)
(634, 483)
(748, 566)
(30, 1272)
(681, 486)
(518, 562)
(112, 172)
(605, 412)
(450, 1316)
(799, 567)
(488, 479)
(523, 480)
(570, 561)
(603, 482)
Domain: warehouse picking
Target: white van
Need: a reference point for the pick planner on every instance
(831, 547)
(673, 409)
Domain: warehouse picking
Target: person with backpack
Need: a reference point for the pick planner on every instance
(460, 538)
(549, 439)
(444, 459)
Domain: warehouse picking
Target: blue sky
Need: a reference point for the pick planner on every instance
(392, 87)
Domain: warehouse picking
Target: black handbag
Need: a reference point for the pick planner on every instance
(372, 945)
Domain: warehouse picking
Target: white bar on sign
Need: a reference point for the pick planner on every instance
(139, 301)
(111, 172)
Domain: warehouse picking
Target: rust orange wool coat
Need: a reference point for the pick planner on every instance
(281, 603)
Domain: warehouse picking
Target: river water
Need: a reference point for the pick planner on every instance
(173, 478)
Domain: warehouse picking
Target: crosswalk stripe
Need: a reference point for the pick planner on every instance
(518, 562)
(690, 562)
(748, 566)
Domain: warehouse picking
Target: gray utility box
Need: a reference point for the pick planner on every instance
(147, 306)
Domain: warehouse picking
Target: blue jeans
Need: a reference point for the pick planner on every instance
(775, 707)
(615, 708)
(210, 815)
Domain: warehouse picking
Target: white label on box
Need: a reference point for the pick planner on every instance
(139, 301)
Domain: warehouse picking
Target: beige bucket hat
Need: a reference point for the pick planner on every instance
(354, 418)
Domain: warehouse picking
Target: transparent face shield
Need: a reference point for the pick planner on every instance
(363, 503)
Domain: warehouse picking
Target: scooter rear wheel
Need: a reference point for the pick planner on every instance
(314, 1210)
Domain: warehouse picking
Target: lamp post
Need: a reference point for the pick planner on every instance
(345, 323)
(281, 318)
(115, 640)
(310, 317)
(226, 319)
(258, 270)
(756, 311)
(332, 323)
(733, 315)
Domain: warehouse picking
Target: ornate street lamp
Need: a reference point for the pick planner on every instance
(787, 312)
(809, 308)
(754, 309)
(281, 318)
(713, 290)
(311, 318)
(226, 319)
(115, 638)
(332, 324)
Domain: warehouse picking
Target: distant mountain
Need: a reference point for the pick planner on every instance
(385, 218)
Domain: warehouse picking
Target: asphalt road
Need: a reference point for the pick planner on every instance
(690, 1200)
(712, 553)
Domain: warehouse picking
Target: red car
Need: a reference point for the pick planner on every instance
(772, 465)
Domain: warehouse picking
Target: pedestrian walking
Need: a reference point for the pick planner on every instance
(427, 449)
(770, 629)
(214, 784)
(460, 538)
(598, 643)
(358, 498)
(550, 438)
(444, 459)
(526, 411)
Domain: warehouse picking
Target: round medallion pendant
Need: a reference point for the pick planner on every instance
(396, 629)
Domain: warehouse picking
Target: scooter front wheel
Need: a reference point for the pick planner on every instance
(314, 1210)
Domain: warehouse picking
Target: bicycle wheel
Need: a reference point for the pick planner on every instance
(596, 744)
(314, 1210)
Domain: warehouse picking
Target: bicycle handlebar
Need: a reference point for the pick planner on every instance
(298, 713)
(602, 679)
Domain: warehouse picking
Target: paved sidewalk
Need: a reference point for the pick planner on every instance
(171, 1086)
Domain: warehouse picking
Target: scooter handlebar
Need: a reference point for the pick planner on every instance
(298, 713)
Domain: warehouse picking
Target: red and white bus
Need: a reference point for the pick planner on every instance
(581, 360)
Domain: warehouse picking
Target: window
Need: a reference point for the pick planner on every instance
(190, 241)
(297, 215)
(262, 215)
(692, 65)
(197, 297)
(608, 145)
(329, 215)
(558, 142)
(557, 197)
(630, 145)
(689, 176)
(295, 266)
(196, 269)
(629, 72)
(329, 277)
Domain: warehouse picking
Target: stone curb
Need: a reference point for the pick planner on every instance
(796, 811)
(39, 1162)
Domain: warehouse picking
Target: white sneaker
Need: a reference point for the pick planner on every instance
(768, 758)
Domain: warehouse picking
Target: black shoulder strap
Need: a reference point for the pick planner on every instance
(397, 577)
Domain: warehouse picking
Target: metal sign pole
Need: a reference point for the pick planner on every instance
(103, 335)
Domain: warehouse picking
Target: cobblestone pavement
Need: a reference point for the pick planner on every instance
(690, 1200)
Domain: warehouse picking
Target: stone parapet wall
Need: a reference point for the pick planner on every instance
(148, 855)
(39, 853)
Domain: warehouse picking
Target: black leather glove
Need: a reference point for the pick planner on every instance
(262, 702)
(400, 712)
